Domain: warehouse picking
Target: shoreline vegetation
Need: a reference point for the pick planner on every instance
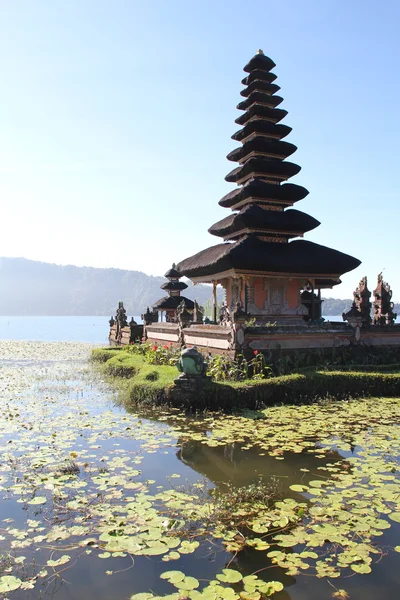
(144, 382)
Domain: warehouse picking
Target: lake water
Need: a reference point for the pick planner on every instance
(56, 329)
(101, 500)
(63, 329)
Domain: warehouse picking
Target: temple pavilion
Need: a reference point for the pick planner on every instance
(261, 263)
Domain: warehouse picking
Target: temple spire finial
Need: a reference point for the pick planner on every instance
(259, 51)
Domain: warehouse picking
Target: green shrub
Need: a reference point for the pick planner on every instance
(104, 354)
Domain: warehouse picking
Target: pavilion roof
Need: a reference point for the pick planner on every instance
(172, 303)
(252, 254)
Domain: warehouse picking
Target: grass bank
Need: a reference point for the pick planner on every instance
(148, 384)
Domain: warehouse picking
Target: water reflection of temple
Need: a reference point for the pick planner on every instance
(230, 463)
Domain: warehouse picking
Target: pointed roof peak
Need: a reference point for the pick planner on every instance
(259, 62)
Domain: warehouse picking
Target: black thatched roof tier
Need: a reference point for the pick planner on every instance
(259, 61)
(259, 126)
(263, 167)
(174, 286)
(257, 75)
(260, 98)
(251, 254)
(289, 223)
(260, 86)
(173, 273)
(172, 303)
(286, 193)
(262, 145)
(274, 115)
(326, 283)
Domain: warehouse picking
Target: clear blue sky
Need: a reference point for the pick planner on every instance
(116, 119)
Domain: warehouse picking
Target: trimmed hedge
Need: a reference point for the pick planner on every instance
(154, 385)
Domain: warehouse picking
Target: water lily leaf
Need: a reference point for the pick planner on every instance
(229, 576)
(188, 547)
(173, 576)
(60, 561)
(395, 516)
(189, 583)
(362, 568)
(250, 595)
(298, 488)
(38, 500)
(9, 583)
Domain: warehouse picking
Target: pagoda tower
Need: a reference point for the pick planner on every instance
(170, 303)
(257, 263)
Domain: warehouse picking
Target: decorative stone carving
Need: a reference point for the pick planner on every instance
(225, 315)
(362, 301)
(121, 321)
(235, 292)
(112, 321)
(383, 306)
(353, 316)
(197, 314)
(149, 317)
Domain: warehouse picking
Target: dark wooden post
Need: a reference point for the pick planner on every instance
(215, 300)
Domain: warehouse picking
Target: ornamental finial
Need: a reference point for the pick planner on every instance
(259, 51)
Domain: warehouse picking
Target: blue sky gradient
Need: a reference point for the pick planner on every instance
(116, 119)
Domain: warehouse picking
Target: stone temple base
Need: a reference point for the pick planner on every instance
(188, 387)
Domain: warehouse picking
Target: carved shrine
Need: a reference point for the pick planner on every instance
(360, 312)
(383, 305)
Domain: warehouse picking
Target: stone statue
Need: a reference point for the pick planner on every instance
(191, 363)
(121, 320)
(225, 315)
(112, 321)
(132, 322)
(121, 315)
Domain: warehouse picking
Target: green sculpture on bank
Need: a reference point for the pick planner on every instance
(191, 363)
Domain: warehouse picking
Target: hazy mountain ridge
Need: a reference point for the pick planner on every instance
(29, 287)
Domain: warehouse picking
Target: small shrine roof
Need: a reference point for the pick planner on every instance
(174, 286)
(252, 254)
(173, 273)
(258, 188)
(294, 222)
(172, 303)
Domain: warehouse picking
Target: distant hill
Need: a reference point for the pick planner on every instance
(336, 306)
(29, 287)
